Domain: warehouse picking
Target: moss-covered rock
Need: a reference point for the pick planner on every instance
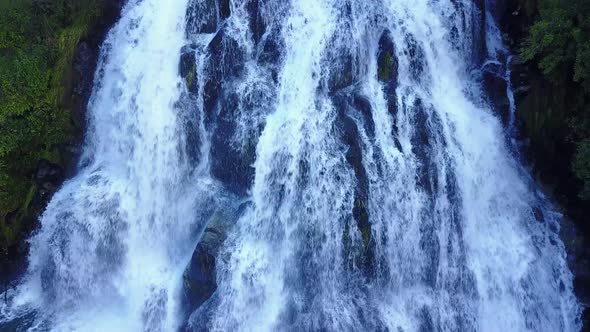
(48, 52)
(188, 68)
(387, 64)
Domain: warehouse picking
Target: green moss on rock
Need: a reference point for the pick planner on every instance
(38, 42)
(385, 67)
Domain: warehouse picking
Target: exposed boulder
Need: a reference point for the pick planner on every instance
(496, 88)
(225, 61)
(387, 64)
(257, 24)
(387, 69)
(341, 71)
(415, 53)
(519, 76)
(224, 8)
(48, 177)
(231, 164)
(270, 54)
(188, 68)
(345, 124)
(199, 278)
(206, 16)
(201, 17)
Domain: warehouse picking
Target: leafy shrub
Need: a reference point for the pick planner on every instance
(38, 39)
(559, 43)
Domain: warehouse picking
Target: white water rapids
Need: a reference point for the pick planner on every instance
(364, 179)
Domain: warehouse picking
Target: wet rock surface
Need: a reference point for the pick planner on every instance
(496, 89)
(199, 279)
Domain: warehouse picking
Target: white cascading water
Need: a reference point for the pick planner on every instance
(369, 182)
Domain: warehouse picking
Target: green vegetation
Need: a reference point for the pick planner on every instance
(559, 44)
(385, 68)
(38, 40)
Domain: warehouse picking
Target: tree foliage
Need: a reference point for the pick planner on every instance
(559, 43)
(559, 39)
(38, 39)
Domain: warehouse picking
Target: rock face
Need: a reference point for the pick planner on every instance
(84, 67)
(49, 177)
(223, 60)
(496, 87)
(387, 69)
(199, 277)
(188, 68)
(205, 16)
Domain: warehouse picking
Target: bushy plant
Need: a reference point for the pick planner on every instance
(559, 43)
(38, 39)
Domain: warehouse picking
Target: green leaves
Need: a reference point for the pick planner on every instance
(559, 44)
(559, 41)
(38, 39)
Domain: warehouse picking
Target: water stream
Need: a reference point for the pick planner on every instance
(365, 180)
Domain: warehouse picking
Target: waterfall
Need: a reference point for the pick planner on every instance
(310, 165)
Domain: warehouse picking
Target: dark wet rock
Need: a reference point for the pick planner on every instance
(341, 72)
(48, 176)
(271, 52)
(199, 278)
(519, 76)
(479, 34)
(362, 105)
(225, 63)
(224, 8)
(230, 162)
(496, 89)
(256, 20)
(415, 53)
(83, 63)
(188, 68)
(387, 70)
(354, 154)
(340, 65)
(349, 131)
(201, 17)
(13, 262)
(387, 63)
(430, 246)
(423, 142)
(480, 5)
(206, 16)
(426, 130)
(226, 55)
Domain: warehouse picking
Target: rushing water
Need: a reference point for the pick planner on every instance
(365, 180)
